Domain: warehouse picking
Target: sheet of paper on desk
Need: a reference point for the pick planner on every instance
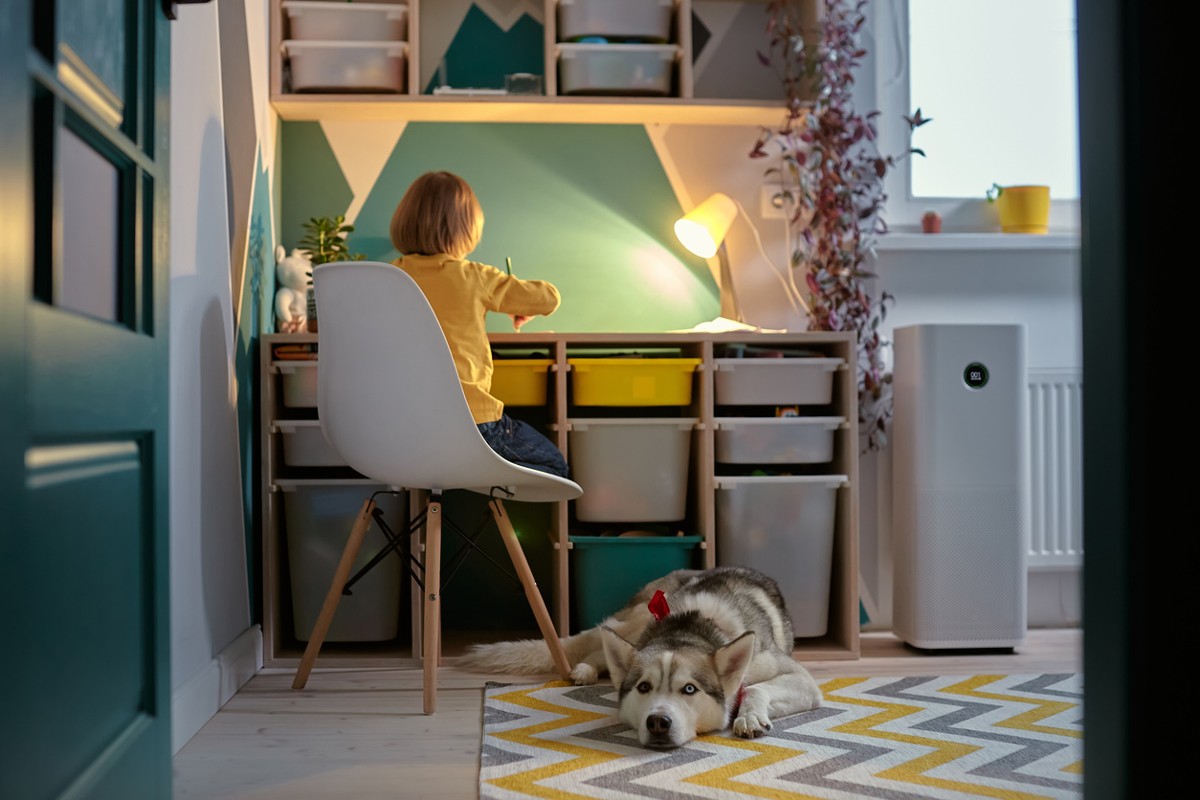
(725, 325)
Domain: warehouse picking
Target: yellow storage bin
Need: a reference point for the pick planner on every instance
(520, 381)
(632, 381)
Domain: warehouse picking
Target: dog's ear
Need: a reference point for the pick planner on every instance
(732, 661)
(618, 653)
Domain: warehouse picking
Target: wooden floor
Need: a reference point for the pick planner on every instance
(360, 733)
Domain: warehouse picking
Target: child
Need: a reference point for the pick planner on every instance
(436, 224)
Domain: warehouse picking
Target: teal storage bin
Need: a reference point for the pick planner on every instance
(606, 571)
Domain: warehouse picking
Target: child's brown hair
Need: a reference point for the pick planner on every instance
(439, 213)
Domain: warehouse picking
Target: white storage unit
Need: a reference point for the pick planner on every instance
(641, 20)
(341, 66)
(305, 445)
(776, 440)
(631, 470)
(317, 518)
(782, 381)
(323, 20)
(624, 69)
(784, 526)
(648, 461)
(298, 381)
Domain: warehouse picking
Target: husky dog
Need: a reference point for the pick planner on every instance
(691, 653)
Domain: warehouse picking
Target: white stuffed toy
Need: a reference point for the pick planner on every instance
(293, 274)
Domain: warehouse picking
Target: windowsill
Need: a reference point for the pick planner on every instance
(901, 241)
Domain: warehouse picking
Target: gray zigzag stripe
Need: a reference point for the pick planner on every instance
(490, 756)
(856, 752)
(1032, 750)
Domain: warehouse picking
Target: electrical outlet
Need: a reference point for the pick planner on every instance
(772, 204)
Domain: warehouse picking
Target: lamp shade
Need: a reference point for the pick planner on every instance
(703, 228)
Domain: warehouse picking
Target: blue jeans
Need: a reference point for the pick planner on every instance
(521, 443)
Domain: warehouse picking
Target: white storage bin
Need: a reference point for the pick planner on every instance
(776, 440)
(305, 445)
(298, 383)
(344, 66)
(631, 470)
(783, 381)
(317, 520)
(784, 526)
(647, 20)
(617, 69)
(323, 20)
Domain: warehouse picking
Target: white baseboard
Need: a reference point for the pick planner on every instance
(202, 695)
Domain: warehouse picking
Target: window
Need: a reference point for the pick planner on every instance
(998, 79)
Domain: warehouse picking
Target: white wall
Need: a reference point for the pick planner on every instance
(213, 649)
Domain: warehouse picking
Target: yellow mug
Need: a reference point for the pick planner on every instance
(1022, 209)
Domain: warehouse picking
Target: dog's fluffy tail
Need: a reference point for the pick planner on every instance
(524, 656)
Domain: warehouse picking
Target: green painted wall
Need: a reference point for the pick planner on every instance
(587, 207)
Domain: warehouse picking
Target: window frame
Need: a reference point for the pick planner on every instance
(904, 211)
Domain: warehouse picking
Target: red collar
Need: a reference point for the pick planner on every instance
(737, 703)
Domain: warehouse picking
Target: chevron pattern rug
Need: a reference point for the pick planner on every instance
(887, 738)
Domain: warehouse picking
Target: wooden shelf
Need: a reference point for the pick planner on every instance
(841, 641)
(682, 107)
(597, 110)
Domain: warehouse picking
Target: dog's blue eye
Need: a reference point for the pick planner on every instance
(689, 689)
(643, 687)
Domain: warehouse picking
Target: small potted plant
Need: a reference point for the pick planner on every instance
(325, 241)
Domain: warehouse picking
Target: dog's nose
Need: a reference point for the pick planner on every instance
(658, 724)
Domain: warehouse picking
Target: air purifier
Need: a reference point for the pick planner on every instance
(960, 486)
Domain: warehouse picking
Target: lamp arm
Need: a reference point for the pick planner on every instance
(789, 287)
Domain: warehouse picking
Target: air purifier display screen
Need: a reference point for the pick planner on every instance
(975, 375)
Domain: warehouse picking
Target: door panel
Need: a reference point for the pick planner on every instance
(83, 551)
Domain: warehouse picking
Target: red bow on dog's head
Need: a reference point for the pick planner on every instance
(658, 605)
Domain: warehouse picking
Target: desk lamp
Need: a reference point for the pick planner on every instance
(702, 231)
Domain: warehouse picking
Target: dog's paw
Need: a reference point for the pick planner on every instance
(584, 674)
(750, 725)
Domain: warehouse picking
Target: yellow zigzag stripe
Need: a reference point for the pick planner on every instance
(584, 756)
(723, 777)
(913, 771)
(1026, 720)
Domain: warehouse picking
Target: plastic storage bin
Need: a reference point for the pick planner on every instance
(322, 20)
(520, 381)
(784, 526)
(298, 383)
(305, 445)
(632, 381)
(640, 20)
(317, 520)
(787, 381)
(776, 440)
(616, 69)
(606, 571)
(346, 66)
(631, 470)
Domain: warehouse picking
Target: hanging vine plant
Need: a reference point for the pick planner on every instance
(831, 174)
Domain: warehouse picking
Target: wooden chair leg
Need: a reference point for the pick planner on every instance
(540, 612)
(432, 635)
(334, 595)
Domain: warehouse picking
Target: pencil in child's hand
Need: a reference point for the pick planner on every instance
(508, 264)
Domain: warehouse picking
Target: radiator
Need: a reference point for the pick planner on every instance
(1055, 469)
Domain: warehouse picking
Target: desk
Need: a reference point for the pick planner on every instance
(553, 566)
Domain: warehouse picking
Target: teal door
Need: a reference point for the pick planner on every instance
(84, 652)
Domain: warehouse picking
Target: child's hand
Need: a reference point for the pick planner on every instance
(518, 320)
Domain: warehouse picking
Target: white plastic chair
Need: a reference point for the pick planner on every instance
(390, 402)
